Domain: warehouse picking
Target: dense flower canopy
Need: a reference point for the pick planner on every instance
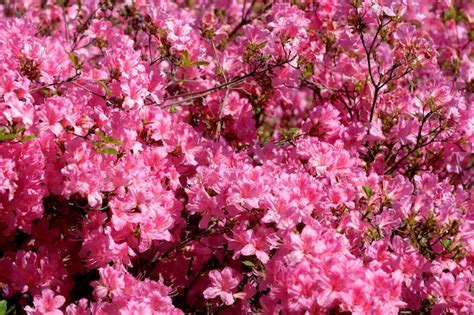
(236, 157)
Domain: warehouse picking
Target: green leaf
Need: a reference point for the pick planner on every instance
(28, 137)
(172, 109)
(308, 70)
(368, 191)
(248, 263)
(446, 243)
(3, 307)
(101, 135)
(75, 60)
(199, 63)
(47, 92)
(293, 130)
(113, 141)
(109, 150)
(289, 133)
(107, 139)
(184, 61)
(7, 136)
(106, 88)
(187, 62)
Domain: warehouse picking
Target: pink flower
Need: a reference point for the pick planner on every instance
(250, 242)
(111, 283)
(8, 177)
(223, 284)
(451, 293)
(161, 140)
(46, 304)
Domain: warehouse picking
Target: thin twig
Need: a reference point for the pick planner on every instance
(198, 94)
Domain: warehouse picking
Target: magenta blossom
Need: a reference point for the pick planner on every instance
(46, 304)
(223, 284)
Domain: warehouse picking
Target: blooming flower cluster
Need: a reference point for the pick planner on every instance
(236, 157)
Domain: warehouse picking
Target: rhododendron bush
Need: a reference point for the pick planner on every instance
(236, 157)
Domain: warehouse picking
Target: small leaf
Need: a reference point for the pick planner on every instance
(290, 133)
(293, 130)
(109, 150)
(48, 92)
(308, 70)
(106, 88)
(111, 140)
(368, 191)
(7, 136)
(199, 63)
(446, 243)
(172, 109)
(3, 307)
(107, 139)
(187, 62)
(28, 137)
(75, 60)
(101, 135)
(248, 263)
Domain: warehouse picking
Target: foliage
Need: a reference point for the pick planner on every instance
(236, 157)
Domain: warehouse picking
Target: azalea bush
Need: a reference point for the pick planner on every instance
(236, 157)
